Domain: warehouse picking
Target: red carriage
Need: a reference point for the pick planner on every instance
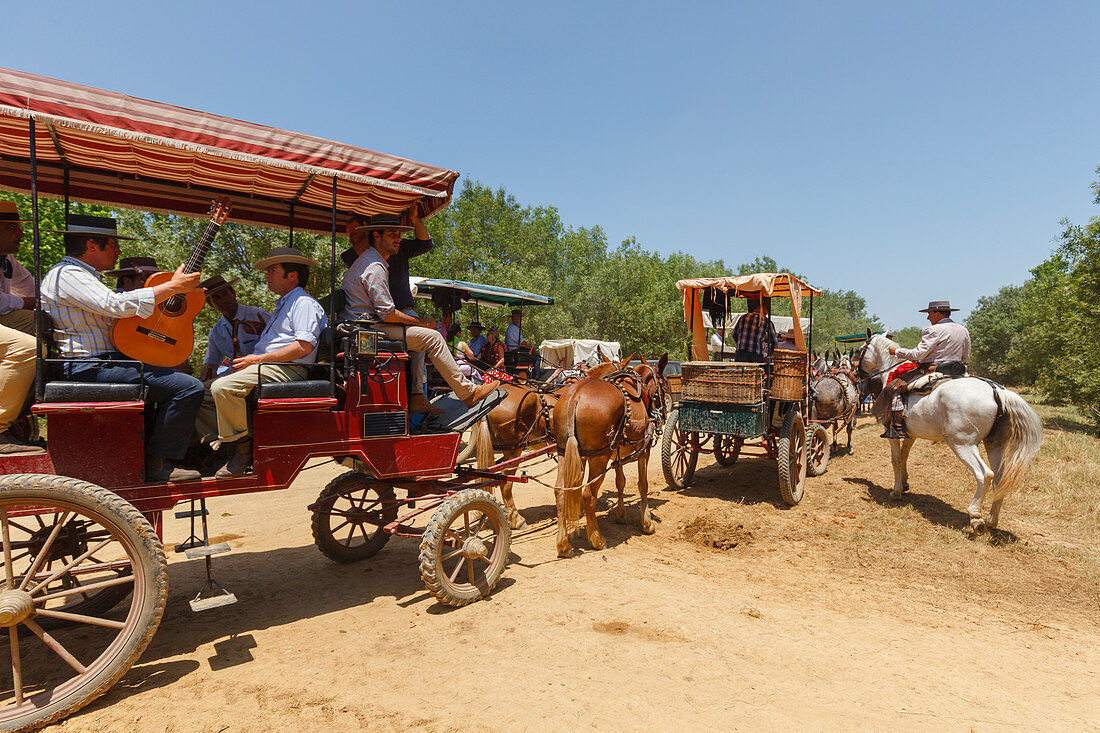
(82, 530)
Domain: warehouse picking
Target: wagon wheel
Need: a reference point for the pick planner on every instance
(817, 442)
(465, 547)
(679, 453)
(349, 515)
(792, 457)
(54, 673)
(727, 448)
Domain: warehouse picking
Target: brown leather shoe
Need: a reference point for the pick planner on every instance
(240, 462)
(481, 393)
(419, 403)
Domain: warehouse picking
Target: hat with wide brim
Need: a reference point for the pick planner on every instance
(384, 221)
(279, 255)
(213, 284)
(134, 266)
(9, 213)
(938, 305)
(93, 226)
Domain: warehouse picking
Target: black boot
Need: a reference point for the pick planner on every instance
(896, 429)
(239, 462)
(159, 470)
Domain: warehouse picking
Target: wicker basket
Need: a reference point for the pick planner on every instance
(674, 384)
(789, 375)
(730, 382)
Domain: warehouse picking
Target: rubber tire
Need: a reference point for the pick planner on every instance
(431, 547)
(323, 537)
(792, 449)
(146, 609)
(817, 435)
(727, 457)
(670, 437)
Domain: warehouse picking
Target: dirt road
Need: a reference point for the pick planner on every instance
(848, 611)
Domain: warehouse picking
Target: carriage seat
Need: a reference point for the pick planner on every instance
(59, 391)
(301, 388)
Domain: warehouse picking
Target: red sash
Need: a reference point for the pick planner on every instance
(905, 366)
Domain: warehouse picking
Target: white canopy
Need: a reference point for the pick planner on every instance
(571, 352)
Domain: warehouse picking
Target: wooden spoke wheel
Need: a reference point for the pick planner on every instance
(791, 456)
(465, 547)
(94, 541)
(817, 449)
(349, 515)
(679, 453)
(727, 448)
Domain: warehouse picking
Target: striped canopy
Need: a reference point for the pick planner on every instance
(129, 152)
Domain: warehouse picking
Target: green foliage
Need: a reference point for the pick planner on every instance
(908, 337)
(51, 217)
(1044, 332)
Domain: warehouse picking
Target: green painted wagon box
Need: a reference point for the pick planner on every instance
(745, 421)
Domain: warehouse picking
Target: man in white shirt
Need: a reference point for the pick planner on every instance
(368, 289)
(944, 347)
(16, 281)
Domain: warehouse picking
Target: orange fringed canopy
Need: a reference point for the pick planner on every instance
(765, 284)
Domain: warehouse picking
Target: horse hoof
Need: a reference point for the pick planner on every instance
(648, 526)
(895, 494)
(597, 541)
(516, 521)
(977, 525)
(565, 550)
(619, 517)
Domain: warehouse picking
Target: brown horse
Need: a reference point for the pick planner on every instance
(519, 423)
(600, 420)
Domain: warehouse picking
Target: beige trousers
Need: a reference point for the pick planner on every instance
(20, 320)
(16, 372)
(429, 342)
(224, 413)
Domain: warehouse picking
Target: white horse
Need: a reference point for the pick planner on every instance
(962, 413)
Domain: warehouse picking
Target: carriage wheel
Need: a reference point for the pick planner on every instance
(792, 457)
(465, 547)
(727, 448)
(349, 516)
(56, 672)
(817, 441)
(679, 453)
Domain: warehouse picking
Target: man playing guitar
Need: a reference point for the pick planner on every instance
(83, 311)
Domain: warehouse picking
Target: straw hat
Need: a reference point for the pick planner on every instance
(279, 255)
(938, 305)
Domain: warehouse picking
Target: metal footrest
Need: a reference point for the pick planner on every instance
(194, 542)
(189, 513)
(207, 550)
(220, 597)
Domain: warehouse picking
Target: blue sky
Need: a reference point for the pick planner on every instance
(909, 152)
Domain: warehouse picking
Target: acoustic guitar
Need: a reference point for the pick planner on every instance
(167, 337)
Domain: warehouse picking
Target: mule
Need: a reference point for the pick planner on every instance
(596, 421)
(835, 398)
(962, 412)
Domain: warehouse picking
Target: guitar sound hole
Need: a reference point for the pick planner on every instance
(173, 305)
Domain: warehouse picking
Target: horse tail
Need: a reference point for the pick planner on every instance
(483, 439)
(572, 474)
(1020, 433)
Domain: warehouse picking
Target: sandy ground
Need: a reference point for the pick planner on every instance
(816, 617)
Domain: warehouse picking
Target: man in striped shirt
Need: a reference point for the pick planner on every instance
(83, 310)
(754, 333)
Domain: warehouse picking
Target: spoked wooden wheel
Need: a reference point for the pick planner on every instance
(465, 547)
(792, 457)
(727, 448)
(65, 539)
(679, 453)
(818, 447)
(349, 515)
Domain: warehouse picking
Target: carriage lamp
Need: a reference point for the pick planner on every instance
(367, 343)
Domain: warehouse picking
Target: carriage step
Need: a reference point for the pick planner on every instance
(190, 513)
(183, 546)
(205, 604)
(207, 550)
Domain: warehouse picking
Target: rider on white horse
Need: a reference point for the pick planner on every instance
(944, 348)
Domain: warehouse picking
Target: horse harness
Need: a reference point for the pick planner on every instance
(630, 384)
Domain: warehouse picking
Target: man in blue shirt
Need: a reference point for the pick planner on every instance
(477, 340)
(286, 345)
(236, 332)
